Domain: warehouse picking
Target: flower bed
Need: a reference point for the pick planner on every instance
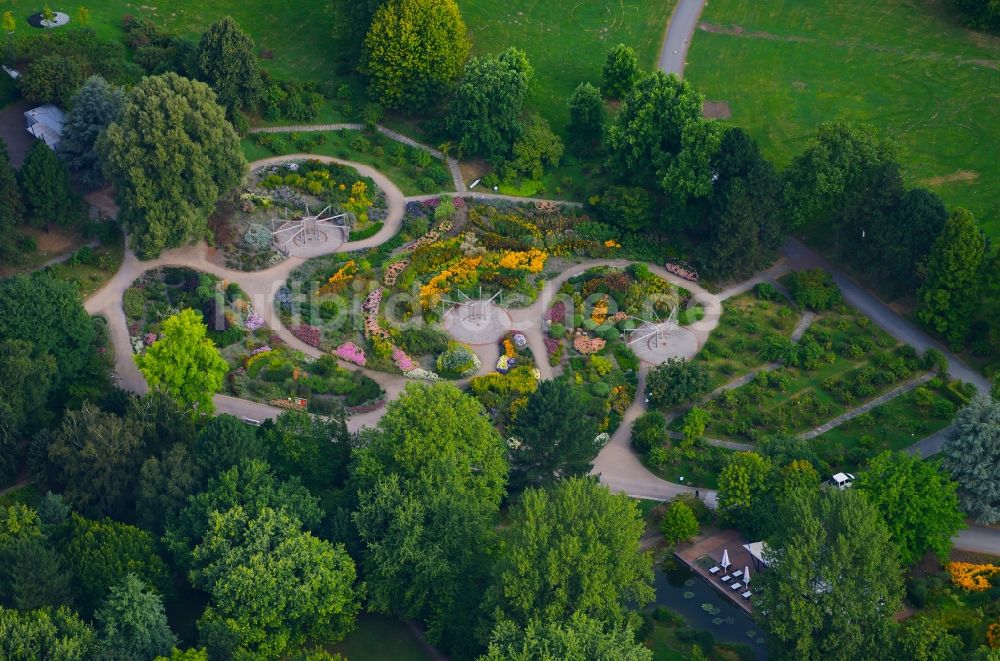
(352, 353)
(161, 292)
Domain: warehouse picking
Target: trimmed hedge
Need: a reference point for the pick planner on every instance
(368, 232)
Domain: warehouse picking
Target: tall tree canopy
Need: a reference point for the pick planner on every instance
(917, 501)
(579, 639)
(171, 155)
(11, 207)
(903, 241)
(414, 52)
(45, 634)
(586, 116)
(45, 190)
(621, 72)
(831, 165)
(103, 553)
(430, 479)
(184, 362)
(227, 60)
(251, 487)
(556, 435)
(47, 313)
(971, 453)
(132, 623)
(744, 215)
(93, 109)
(571, 549)
(833, 581)
(273, 586)
(96, 456)
(948, 298)
(660, 137)
(486, 108)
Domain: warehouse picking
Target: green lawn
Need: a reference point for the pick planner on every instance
(297, 34)
(904, 66)
(566, 42)
(377, 637)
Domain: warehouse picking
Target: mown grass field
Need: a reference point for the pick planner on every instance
(377, 637)
(566, 42)
(786, 66)
(298, 34)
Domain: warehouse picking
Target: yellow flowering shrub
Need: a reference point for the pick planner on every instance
(444, 281)
(532, 261)
(600, 312)
(993, 635)
(341, 278)
(972, 577)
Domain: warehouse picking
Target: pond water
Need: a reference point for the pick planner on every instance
(688, 594)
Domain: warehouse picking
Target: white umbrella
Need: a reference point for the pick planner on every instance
(746, 576)
(725, 559)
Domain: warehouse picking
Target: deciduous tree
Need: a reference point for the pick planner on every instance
(830, 166)
(658, 120)
(485, 112)
(572, 549)
(48, 198)
(833, 581)
(171, 155)
(92, 110)
(948, 297)
(11, 207)
(227, 61)
(414, 52)
(676, 382)
(184, 362)
(620, 73)
(53, 78)
(102, 553)
(430, 478)
(926, 638)
(556, 435)
(250, 486)
(45, 634)
(679, 523)
(536, 147)
(971, 453)
(273, 585)
(917, 501)
(579, 639)
(47, 313)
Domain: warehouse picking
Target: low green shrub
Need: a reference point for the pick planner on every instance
(367, 232)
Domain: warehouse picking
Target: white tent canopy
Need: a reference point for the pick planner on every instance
(756, 550)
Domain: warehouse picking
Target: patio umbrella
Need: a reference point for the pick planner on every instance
(746, 577)
(725, 559)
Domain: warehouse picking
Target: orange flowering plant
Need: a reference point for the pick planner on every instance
(972, 577)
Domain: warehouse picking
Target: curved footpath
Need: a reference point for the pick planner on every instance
(616, 465)
(680, 31)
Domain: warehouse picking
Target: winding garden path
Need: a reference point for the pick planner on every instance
(616, 465)
(680, 30)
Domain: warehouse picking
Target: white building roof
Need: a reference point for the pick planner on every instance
(45, 123)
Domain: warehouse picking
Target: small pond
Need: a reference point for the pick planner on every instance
(688, 594)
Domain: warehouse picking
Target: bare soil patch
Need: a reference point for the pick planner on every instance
(716, 110)
(961, 175)
(739, 31)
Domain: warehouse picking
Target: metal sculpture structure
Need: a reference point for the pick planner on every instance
(308, 229)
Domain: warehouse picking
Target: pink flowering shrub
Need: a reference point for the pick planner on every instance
(557, 313)
(588, 345)
(403, 362)
(393, 271)
(308, 334)
(254, 321)
(259, 350)
(149, 338)
(351, 352)
(370, 307)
